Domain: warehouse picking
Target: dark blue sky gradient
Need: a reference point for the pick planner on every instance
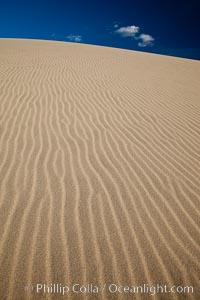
(174, 24)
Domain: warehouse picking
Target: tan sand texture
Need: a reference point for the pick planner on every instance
(99, 170)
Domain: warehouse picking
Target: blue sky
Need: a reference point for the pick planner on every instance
(167, 27)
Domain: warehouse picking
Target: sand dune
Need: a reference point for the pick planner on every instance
(99, 170)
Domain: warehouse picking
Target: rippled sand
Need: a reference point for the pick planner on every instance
(99, 169)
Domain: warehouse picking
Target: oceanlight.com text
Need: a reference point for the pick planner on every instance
(112, 288)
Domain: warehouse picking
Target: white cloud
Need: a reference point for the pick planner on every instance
(133, 31)
(129, 31)
(74, 38)
(146, 40)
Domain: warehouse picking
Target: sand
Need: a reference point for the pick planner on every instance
(99, 170)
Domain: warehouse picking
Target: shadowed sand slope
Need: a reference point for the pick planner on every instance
(99, 170)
